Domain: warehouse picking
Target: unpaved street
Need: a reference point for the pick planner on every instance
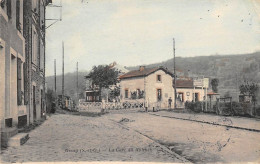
(134, 136)
(197, 142)
(79, 138)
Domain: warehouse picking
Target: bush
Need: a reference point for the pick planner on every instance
(242, 108)
(257, 110)
(194, 106)
(237, 108)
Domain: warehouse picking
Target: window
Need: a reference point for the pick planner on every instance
(9, 8)
(41, 58)
(126, 93)
(196, 97)
(159, 94)
(2, 3)
(159, 79)
(180, 96)
(19, 82)
(18, 24)
(35, 6)
(138, 93)
(35, 48)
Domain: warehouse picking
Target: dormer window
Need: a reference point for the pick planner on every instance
(159, 78)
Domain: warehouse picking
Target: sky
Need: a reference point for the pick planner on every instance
(139, 32)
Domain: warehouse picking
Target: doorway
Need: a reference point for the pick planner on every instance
(34, 103)
(159, 95)
(196, 97)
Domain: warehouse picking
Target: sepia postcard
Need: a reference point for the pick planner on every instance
(130, 81)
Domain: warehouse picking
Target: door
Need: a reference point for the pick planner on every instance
(42, 105)
(159, 95)
(34, 103)
(196, 97)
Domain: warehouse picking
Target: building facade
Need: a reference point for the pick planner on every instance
(187, 91)
(155, 87)
(34, 33)
(22, 62)
(12, 63)
(152, 86)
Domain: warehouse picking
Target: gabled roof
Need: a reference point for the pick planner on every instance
(144, 72)
(183, 83)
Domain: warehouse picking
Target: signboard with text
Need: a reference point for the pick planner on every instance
(201, 82)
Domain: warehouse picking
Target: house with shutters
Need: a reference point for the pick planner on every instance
(152, 86)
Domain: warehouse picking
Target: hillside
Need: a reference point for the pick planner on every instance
(231, 70)
(70, 84)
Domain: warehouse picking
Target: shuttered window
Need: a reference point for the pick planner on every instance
(9, 8)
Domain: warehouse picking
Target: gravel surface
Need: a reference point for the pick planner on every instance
(197, 142)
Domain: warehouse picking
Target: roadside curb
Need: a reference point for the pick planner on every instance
(184, 160)
(207, 122)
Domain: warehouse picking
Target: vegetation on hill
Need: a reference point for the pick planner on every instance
(231, 70)
(70, 84)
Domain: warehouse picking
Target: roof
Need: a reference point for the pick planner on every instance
(121, 69)
(212, 93)
(144, 72)
(183, 83)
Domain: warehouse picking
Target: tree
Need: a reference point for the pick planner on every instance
(214, 85)
(250, 89)
(103, 76)
(115, 92)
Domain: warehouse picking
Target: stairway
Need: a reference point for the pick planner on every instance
(18, 140)
(11, 137)
(7, 133)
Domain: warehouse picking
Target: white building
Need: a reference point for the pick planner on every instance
(154, 87)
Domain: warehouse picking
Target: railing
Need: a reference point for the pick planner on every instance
(83, 106)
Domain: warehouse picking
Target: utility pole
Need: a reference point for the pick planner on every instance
(55, 84)
(77, 82)
(175, 91)
(62, 74)
(55, 80)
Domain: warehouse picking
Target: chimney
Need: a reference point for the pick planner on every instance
(141, 68)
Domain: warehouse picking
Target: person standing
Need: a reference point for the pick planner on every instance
(169, 103)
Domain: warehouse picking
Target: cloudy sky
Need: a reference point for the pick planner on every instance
(135, 32)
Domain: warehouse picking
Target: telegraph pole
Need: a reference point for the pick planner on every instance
(77, 82)
(62, 74)
(55, 80)
(175, 91)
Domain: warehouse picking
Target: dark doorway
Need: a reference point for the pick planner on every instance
(196, 97)
(34, 103)
(159, 94)
(42, 105)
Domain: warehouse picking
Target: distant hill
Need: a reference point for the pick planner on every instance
(70, 84)
(231, 70)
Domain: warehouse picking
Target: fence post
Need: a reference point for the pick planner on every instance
(103, 104)
(217, 110)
